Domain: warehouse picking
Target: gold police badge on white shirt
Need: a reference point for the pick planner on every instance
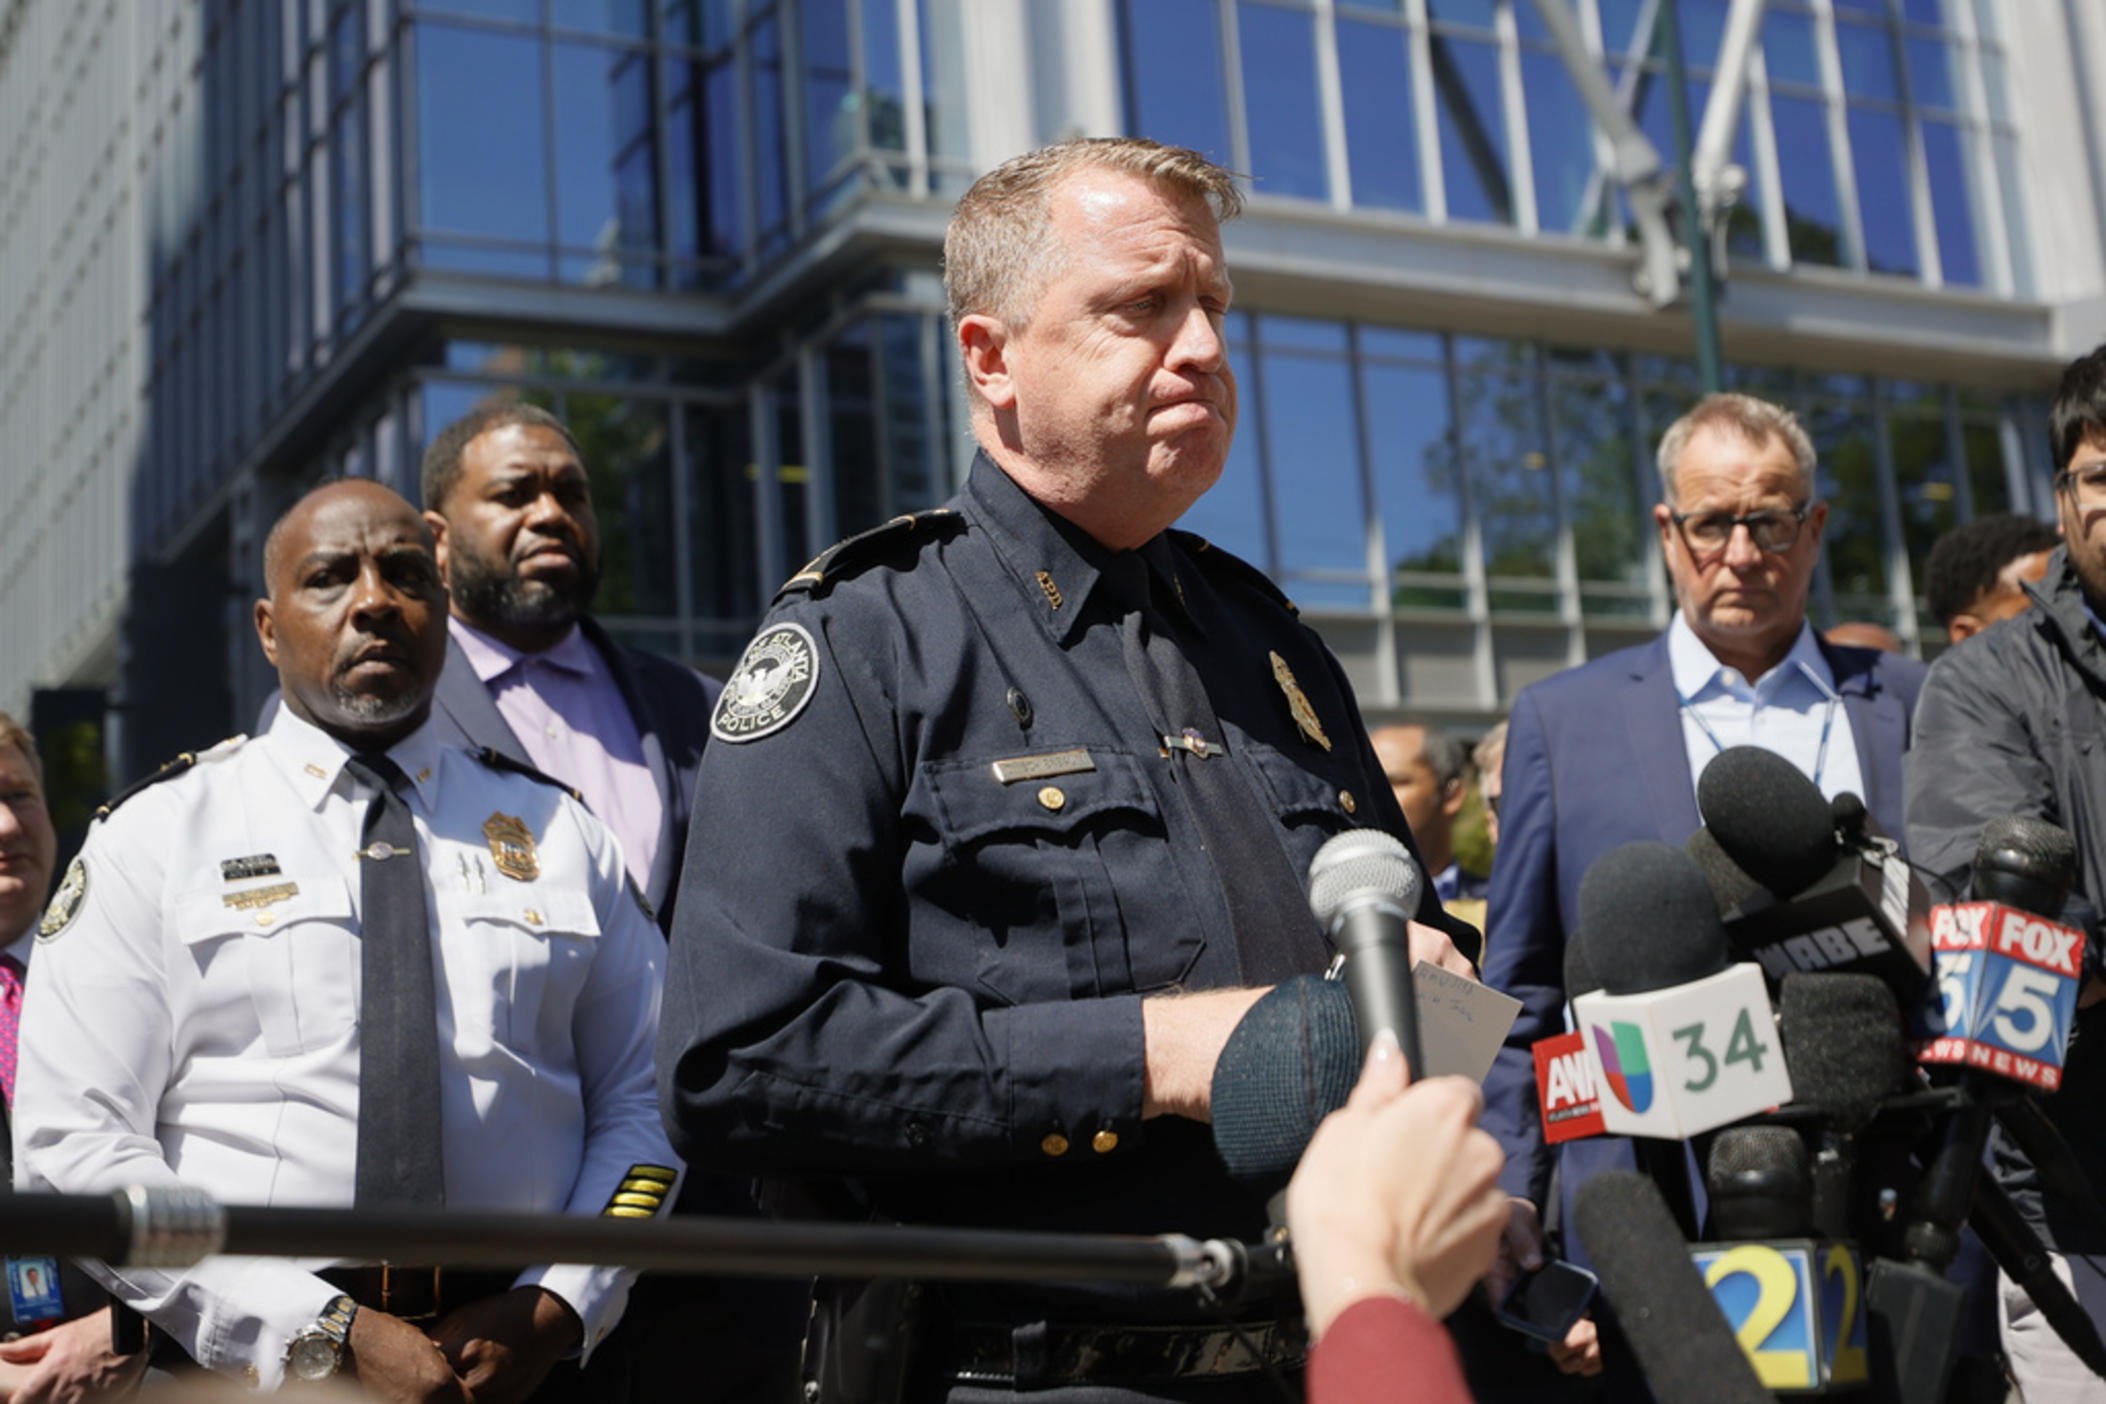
(512, 847)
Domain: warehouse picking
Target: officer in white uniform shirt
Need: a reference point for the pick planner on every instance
(202, 1012)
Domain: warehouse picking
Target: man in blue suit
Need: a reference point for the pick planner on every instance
(1610, 752)
(532, 675)
(529, 672)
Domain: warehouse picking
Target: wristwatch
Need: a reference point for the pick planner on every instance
(318, 1352)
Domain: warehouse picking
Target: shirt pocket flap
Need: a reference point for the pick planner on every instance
(207, 913)
(537, 908)
(974, 805)
(1298, 792)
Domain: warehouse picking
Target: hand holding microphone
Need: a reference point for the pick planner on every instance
(1398, 1194)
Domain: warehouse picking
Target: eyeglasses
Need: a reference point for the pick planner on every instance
(1707, 533)
(2086, 484)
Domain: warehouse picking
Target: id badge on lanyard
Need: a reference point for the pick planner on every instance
(33, 1290)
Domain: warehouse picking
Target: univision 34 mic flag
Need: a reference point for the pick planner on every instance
(2006, 992)
(1686, 1059)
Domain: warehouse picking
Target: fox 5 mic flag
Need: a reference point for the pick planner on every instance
(1679, 1061)
(2006, 992)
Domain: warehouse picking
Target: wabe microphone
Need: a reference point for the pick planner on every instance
(1683, 1041)
(1806, 885)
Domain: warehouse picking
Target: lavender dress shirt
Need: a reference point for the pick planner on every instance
(567, 711)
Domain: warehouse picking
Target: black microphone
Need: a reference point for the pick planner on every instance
(1364, 887)
(1847, 1053)
(2025, 863)
(1648, 920)
(1684, 1347)
(1290, 1062)
(1760, 1183)
(1579, 972)
(1800, 896)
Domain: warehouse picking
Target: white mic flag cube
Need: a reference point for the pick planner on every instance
(1683, 1060)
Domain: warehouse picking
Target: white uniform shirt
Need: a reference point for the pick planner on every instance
(187, 1026)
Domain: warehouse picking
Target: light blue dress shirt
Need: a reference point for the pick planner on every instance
(1792, 709)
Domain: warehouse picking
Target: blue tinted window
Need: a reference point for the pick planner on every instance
(628, 444)
(1279, 93)
(1392, 341)
(1561, 143)
(702, 161)
(1381, 131)
(1881, 161)
(1619, 26)
(627, 17)
(527, 11)
(348, 198)
(1473, 130)
(883, 87)
(1812, 216)
(1868, 61)
(1232, 513)
(478, 99)
(1416, 490)
(1926, 480)
(773, 153)
(1302, 334)
(1932, 70)
(830, 109)
(1702, 26)
(1930, 11)
(606, 185)
(1313, 444)
(1597, 462)
(1502, 447)
(1174, 93)
(1477, 12)
(2006, 164)
(1788, 48)
(1954, 202)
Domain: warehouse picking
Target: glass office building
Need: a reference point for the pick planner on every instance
(248, 244)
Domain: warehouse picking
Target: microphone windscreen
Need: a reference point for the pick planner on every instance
(1680, 1337)
(1848, 813)
(1769, 818)
(1362, 862)
(1579, 975)
(1649, 920)
(1291, 1062)
(1760, 1183)
(2026, 863)
(1844, 1044)
(1729, 882)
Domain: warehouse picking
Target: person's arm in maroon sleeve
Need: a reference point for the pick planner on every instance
(1383, 1350)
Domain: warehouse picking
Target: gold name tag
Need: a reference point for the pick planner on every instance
(1042, 767)
(261, 896)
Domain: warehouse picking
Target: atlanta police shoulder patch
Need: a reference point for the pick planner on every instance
(65, 903)
(775, 678)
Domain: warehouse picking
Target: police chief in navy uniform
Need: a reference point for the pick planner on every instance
(1007, 813)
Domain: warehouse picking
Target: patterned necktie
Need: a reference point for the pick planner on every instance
(400, 1150)
(1276, 936)
(11, 973)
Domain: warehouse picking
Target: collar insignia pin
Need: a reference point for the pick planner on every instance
(1298, 703)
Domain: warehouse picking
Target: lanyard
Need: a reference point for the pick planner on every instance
(1689, 710)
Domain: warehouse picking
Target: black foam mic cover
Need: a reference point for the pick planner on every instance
(2025, 863)
(1650, 920)
(1769, 819)
(1291, 1062)
(1844, 1045)
(1760, 1183)
(1730, 883)
(1579, 975)
(1680, 1337)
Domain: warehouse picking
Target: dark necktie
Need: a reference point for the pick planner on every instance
(1276, 936)
(400, 1152)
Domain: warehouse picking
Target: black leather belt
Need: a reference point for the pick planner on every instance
(1045, 1353)
(418, 1292)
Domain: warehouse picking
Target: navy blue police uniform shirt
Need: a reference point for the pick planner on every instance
(940, 856)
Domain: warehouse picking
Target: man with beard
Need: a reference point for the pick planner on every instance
(529, 672)
(346, 964)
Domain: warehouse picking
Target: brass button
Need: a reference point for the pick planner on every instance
(1054, 1144)
(1053, 798)
(264, 918)
(1347, 802)
(1105, 1142)
(533, 918)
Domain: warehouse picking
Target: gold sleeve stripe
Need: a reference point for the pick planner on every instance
(614, 1212)
(642, 1192)
(638, 1201)
(658, 1187)
(655, 1172)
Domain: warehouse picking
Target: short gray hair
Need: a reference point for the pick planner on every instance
(997, 254)
(1755, 420)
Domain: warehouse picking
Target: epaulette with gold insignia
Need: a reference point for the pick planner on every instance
(498, 760)
(169, 771)
(867, 547)
(1214, 558)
